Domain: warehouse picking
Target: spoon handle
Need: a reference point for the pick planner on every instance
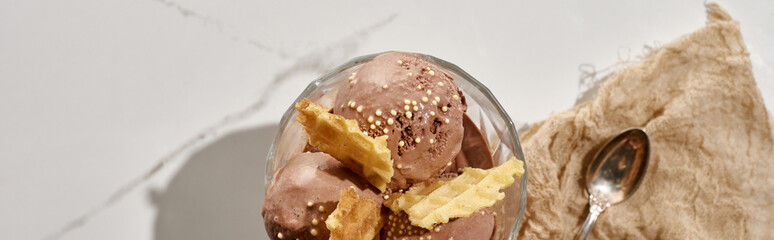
(595, 208)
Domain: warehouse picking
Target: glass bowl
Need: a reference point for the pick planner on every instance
(494, 124)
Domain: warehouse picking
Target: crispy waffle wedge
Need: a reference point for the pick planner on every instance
(342, 139)
(438, 201)
(355, 218)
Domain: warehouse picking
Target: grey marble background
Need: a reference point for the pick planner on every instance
(151, 119)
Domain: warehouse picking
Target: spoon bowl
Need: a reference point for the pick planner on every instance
(615, 172)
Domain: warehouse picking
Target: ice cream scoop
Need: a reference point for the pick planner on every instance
(415, 104)
(304, 192)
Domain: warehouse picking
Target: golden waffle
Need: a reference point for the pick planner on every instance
(342, 139)
(443, 199)
(355, 218)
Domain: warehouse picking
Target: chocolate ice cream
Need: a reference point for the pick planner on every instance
(422, 113)
(475, 150)
(474, 153)
(304, 192)
(416, 105)
(319, 178)
(478, 226)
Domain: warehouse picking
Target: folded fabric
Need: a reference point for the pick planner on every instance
(711, 174)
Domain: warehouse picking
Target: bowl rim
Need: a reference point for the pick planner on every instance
(443, 63)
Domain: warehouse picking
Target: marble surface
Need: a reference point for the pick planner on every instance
(151, 119)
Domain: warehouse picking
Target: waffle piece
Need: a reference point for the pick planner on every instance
(355, 218)
(342, 139)
(440, 200)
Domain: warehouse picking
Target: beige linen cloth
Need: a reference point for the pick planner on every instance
(710, 175)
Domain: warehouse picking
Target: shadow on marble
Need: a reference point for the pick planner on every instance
(218, 193)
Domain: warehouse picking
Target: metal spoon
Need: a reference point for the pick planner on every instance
(615, 173)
